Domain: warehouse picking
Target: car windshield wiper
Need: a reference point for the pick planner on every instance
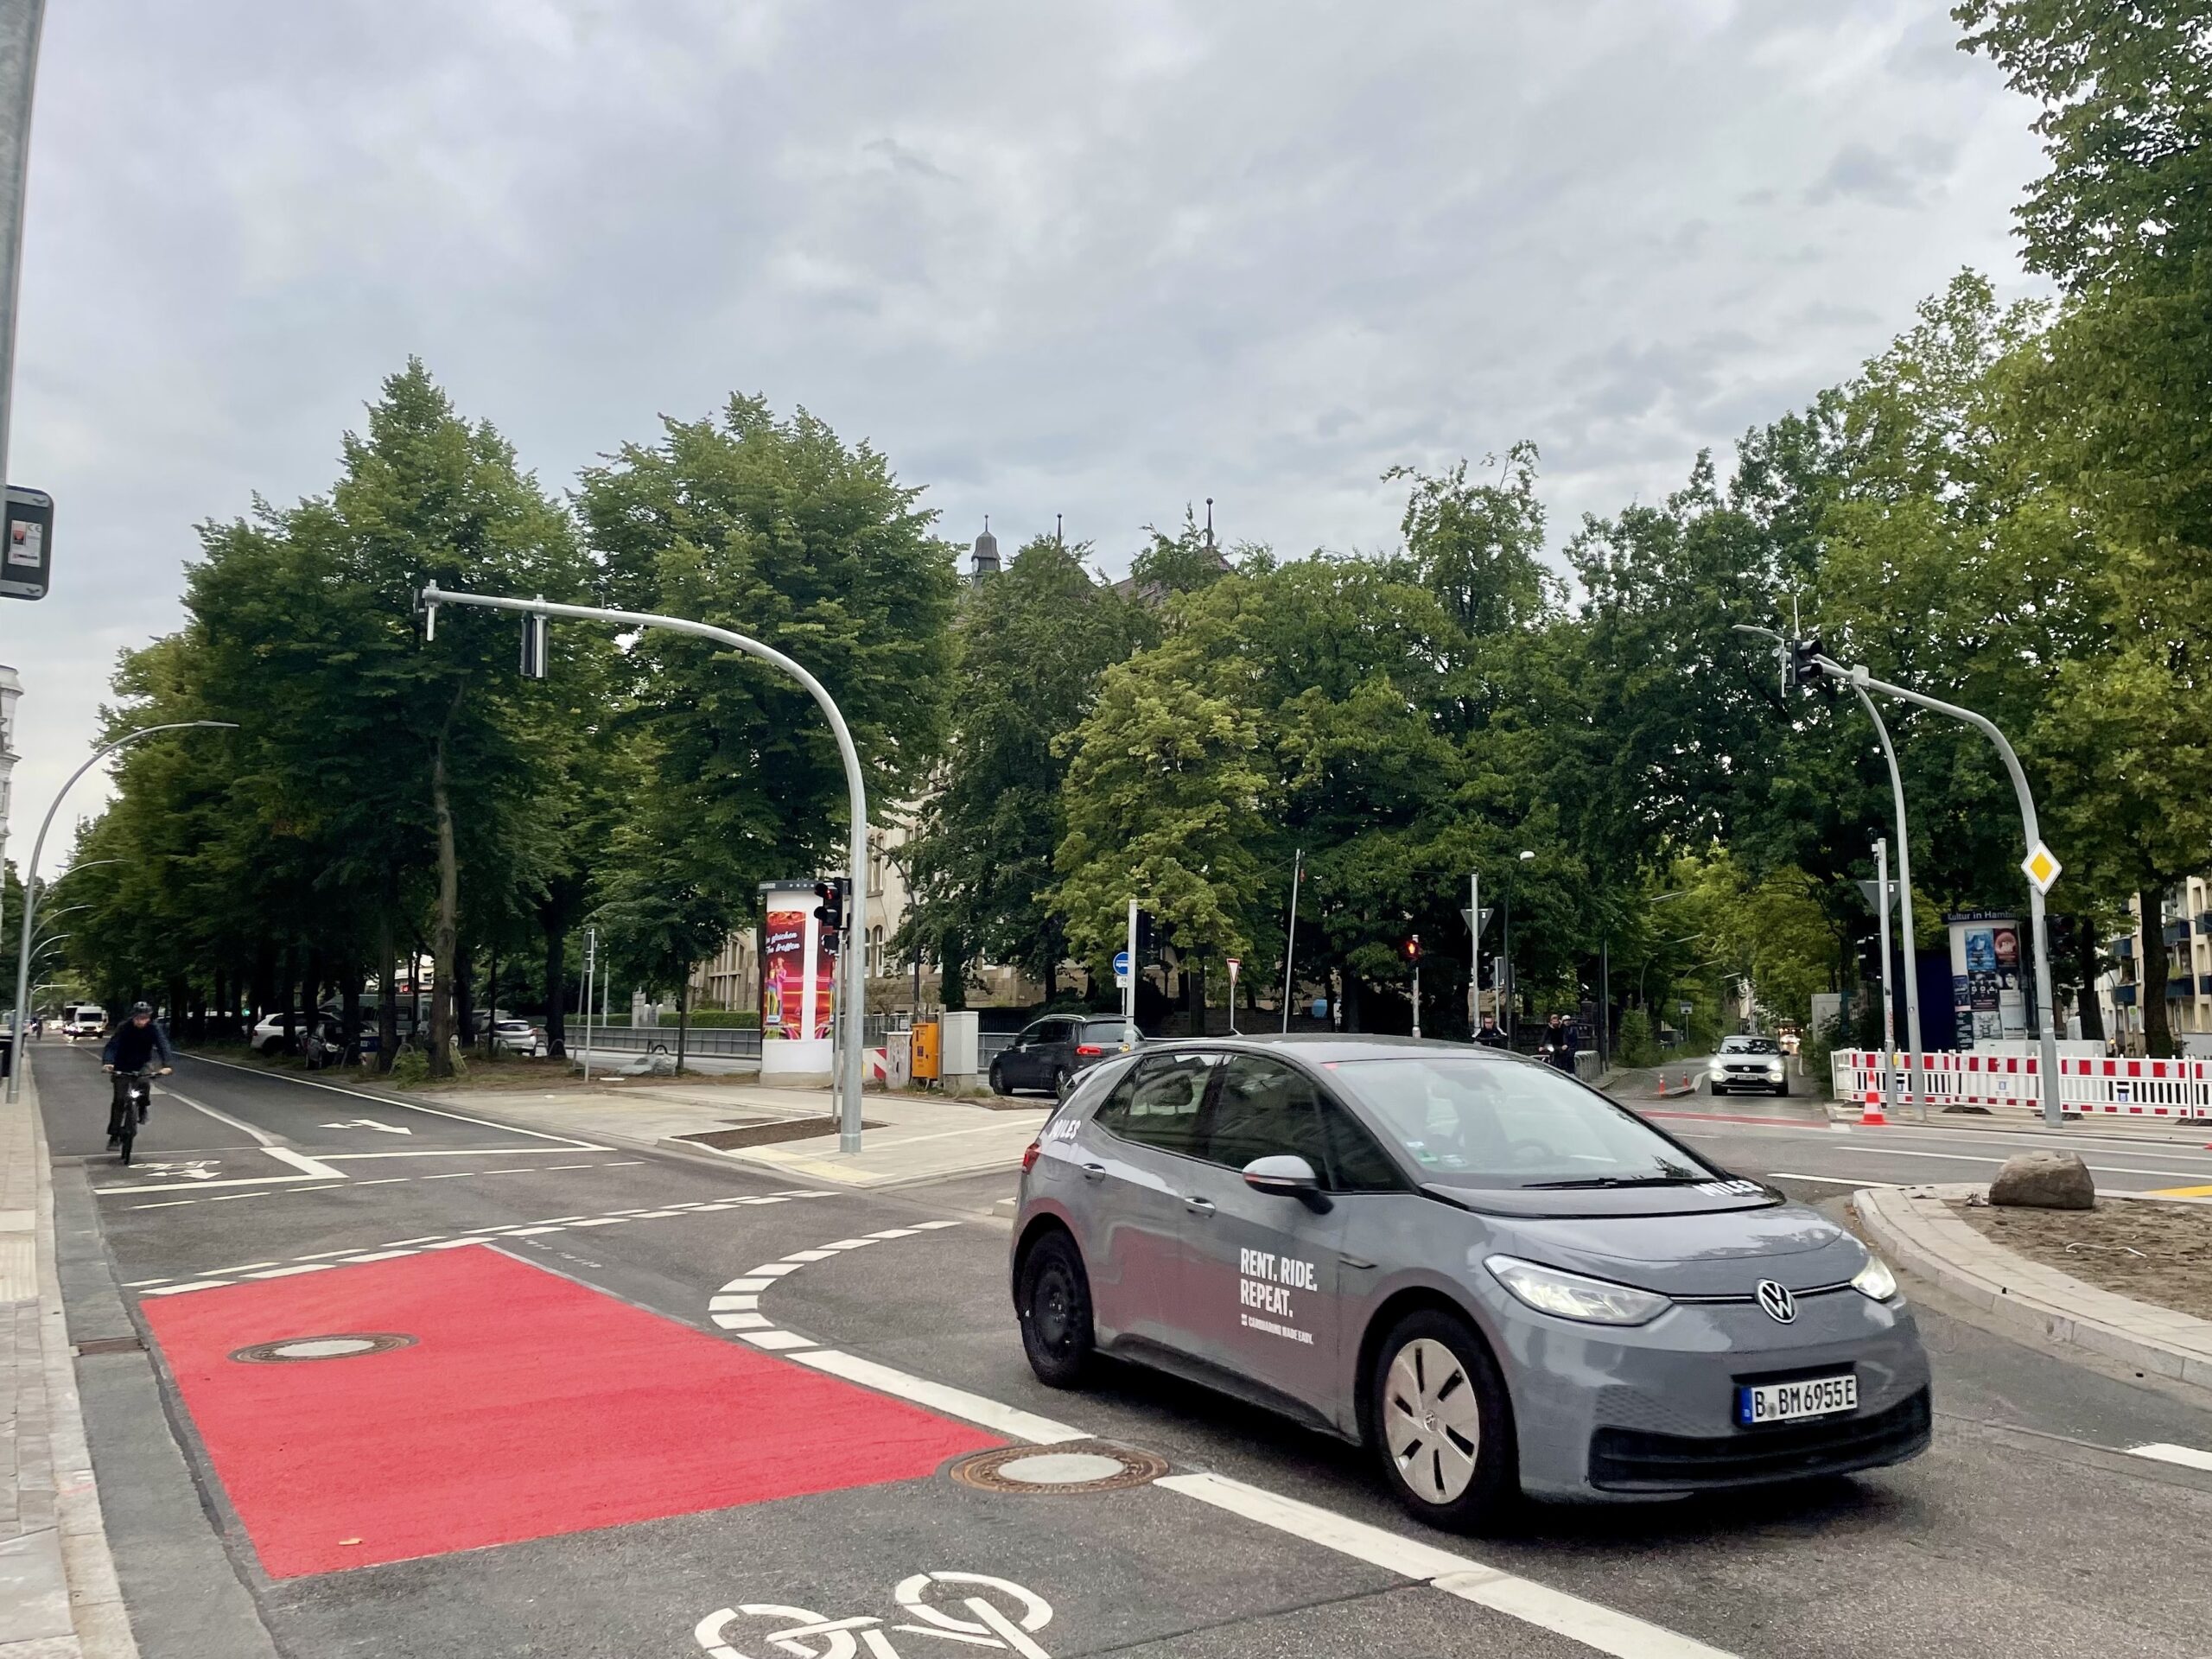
(1623, 1180)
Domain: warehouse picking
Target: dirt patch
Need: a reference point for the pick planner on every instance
(766, 1135)
(2153, 1252)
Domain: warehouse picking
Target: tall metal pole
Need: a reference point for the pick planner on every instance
(1475, 952)
(20, 22)
(1889, 1002)
(1915, 1078)
(1290, 940)
(852, 1068)
(1501, 988)
(1129, 988)
(30, 882)
(591, 972)
(2047, 1017)
(1416, 990)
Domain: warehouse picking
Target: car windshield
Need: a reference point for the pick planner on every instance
(1749, 1046)
(1473, 1123)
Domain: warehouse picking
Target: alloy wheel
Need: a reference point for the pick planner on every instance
(1431, 1421)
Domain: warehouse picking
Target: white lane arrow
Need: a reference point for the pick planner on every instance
(369, 1123)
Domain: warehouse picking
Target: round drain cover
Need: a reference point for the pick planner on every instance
(342, 1346)
(1082, 1466)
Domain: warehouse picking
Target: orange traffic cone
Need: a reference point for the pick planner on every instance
(1871, 1112)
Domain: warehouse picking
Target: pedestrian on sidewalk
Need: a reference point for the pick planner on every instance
(1490, 1036)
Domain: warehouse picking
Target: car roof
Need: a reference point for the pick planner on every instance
(1321, 1047)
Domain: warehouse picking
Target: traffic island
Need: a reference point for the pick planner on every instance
(2006, 1262)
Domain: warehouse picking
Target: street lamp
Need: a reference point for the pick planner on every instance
(1505, 944)
(852, 1067)
(30, 875)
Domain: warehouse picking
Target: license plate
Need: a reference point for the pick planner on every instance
(1760, 1403)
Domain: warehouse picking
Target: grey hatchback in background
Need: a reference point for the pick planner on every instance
(1490, 1273)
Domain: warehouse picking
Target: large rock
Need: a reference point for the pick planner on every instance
(2044, 1180)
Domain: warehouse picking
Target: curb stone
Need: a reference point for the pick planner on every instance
(1916, 1229)
(52, 1476)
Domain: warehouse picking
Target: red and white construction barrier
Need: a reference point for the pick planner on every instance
(2171, 1089)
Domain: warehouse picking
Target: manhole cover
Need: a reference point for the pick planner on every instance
(344, 1345)
(1081, 1466)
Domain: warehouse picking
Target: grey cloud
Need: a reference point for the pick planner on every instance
(1052, 256)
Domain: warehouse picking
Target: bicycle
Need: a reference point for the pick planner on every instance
(138, 1089)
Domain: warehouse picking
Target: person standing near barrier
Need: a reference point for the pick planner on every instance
(1558, 1048)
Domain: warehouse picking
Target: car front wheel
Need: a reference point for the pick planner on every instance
(1054, 1307)
(998, 1080)
(1442, 1426)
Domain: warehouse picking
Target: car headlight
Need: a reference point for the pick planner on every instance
(1571, 1296)
(1875, 1280)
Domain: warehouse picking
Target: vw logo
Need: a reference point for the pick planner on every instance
(1780, 1306)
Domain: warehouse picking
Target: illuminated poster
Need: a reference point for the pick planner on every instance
(782, 975)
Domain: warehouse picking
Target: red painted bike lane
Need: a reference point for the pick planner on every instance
(515, 1404)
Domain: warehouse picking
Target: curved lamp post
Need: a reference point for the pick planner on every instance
(30, 875)
(851, 1065)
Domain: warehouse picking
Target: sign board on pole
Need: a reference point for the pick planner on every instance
(2041, 867)
(1121, 965)
(1467, 915)
(26, 563)
(1870, 892)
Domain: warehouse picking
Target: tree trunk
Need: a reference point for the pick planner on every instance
(448, 967)
(464, 996)
(556, 988)
(2157, 1038)
(2085, 967)
(683, 1019)
(288, 972)
(492, 1003)
(349, 993)
(387, 979)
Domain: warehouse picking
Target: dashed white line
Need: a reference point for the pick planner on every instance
(2164, 1452)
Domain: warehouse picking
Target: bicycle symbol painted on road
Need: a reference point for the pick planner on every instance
(958, 1607)
(193, 1169)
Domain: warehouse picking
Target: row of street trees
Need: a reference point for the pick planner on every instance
(2010, 507)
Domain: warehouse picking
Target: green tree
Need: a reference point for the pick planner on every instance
(1033, 644)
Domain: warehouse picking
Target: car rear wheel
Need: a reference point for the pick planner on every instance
(1055, 1313)
(1442, 1423)
(998, 1080)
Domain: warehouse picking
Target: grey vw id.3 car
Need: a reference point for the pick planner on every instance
(1491, 1273)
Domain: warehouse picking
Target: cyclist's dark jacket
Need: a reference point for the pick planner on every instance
(133, 1045)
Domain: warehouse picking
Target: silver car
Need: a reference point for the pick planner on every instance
(1490, 1273)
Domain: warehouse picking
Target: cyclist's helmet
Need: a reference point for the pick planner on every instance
(137, 1009)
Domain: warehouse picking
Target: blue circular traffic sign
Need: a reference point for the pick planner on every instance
(1121, 961)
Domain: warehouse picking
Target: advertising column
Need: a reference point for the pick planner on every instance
(796, 978)
(1987, 995)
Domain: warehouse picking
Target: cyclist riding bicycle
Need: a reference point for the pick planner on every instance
(137, 1042)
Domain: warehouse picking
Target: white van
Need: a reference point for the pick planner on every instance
(87, 1020)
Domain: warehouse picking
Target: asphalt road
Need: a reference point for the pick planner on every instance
(596, 1429)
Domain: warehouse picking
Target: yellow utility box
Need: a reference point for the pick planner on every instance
(928, 1056)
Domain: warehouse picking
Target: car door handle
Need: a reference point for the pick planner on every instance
(1093, 1172)
(1355, 1260)
(1198, 1206)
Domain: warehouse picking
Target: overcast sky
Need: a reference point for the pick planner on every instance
(1097, 259)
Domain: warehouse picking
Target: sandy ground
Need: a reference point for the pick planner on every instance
(2159, 1253)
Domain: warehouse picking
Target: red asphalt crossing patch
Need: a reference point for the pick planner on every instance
(527, 1406)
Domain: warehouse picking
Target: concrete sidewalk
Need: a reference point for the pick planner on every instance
(912, 1137)
(59, 1598)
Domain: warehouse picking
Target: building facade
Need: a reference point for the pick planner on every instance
(2186, 939)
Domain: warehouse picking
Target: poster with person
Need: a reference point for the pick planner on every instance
(782, 975)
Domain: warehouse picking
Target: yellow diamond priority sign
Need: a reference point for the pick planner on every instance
(2042, 869)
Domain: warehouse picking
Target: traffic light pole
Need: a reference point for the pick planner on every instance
(1916, 1076)
(851, 1062)
(2047, 1016)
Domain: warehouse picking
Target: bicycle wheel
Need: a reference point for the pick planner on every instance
(130, 1134)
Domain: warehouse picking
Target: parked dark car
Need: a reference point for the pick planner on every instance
(1050, 1051)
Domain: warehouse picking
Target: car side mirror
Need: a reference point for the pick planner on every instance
(1286, 1175)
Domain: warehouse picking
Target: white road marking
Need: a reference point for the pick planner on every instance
(933, 1226)
(602, 1221)
(530, 1232)
(288, 1273)
(247, 1267)
(368, 1123)
(735, 1284)
(939, 1396)
(453, 1243)
(848, 1243)
(304, 1164)
(458, 1151)
(1602, 1628)
(1826, 1180)
(1975, 1158)
(376, 1255)
(732, 1304)
(197, 1284)
(777, 1341)
(261, 1137)
(771, 1270)
(427, 1238)
(811, 1256)
(202, 1186)
(405, 1105)
(896, 1232)
(742, 1321)
(2187, 1456)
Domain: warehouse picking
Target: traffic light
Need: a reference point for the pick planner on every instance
(533, 647)
(1148, 944)
(1799, 671)
(1411, 950)
(830, 912)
